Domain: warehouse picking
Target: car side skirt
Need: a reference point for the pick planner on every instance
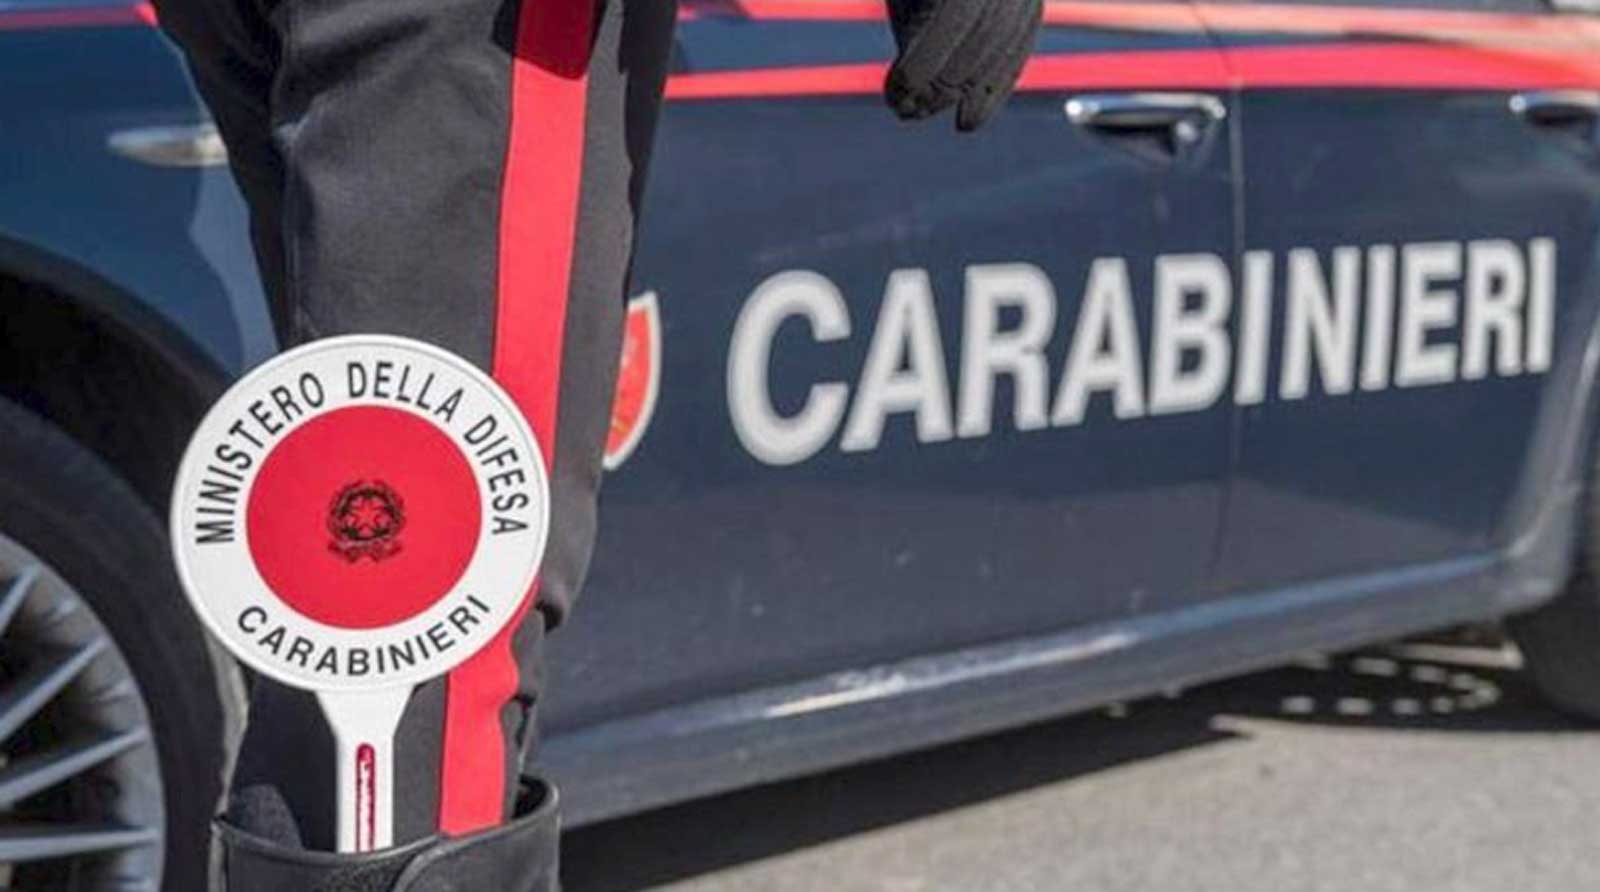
(712, 746)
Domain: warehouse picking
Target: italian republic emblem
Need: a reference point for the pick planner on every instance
(365, 519)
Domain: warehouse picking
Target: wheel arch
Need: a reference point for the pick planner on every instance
(90, 359)
(96, 362)
(1538, 534)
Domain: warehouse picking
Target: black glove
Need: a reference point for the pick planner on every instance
(969, 52)
(518, 857)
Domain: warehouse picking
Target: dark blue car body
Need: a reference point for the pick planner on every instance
(1281, 336)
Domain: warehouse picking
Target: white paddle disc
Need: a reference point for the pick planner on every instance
(355, 517)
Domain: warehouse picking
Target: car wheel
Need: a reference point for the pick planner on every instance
(112, 707)
(1560, 641)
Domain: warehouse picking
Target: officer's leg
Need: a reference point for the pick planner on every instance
(233, 55)
(465, 173)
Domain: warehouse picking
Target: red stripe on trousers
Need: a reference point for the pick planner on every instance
(538, 231)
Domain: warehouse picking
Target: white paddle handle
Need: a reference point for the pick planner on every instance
(364, 726)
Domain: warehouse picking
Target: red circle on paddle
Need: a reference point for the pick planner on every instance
(364, 517)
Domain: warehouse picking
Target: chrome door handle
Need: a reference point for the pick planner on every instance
(1549, 107)
(197, 145)
(1185, 114)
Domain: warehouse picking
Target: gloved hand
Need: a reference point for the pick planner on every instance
(959, 52)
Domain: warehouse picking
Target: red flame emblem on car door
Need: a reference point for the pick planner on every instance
(638, 382)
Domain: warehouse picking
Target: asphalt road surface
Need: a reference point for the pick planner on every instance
(1420, 768)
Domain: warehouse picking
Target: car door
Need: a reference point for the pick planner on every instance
(1419, 218)
(910, 397)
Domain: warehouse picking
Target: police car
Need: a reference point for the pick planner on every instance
(1249, 329)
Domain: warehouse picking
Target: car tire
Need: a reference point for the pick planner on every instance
(1560, 641)
(96, 544)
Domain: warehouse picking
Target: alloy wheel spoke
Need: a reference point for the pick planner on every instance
(29, 692)
(38, 772)
(21, 843)
(83, 794)
(15, 593)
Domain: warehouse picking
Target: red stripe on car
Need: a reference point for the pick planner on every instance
(78, 17)
(1269, 17)
(1411, 66)
(1349, 66)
